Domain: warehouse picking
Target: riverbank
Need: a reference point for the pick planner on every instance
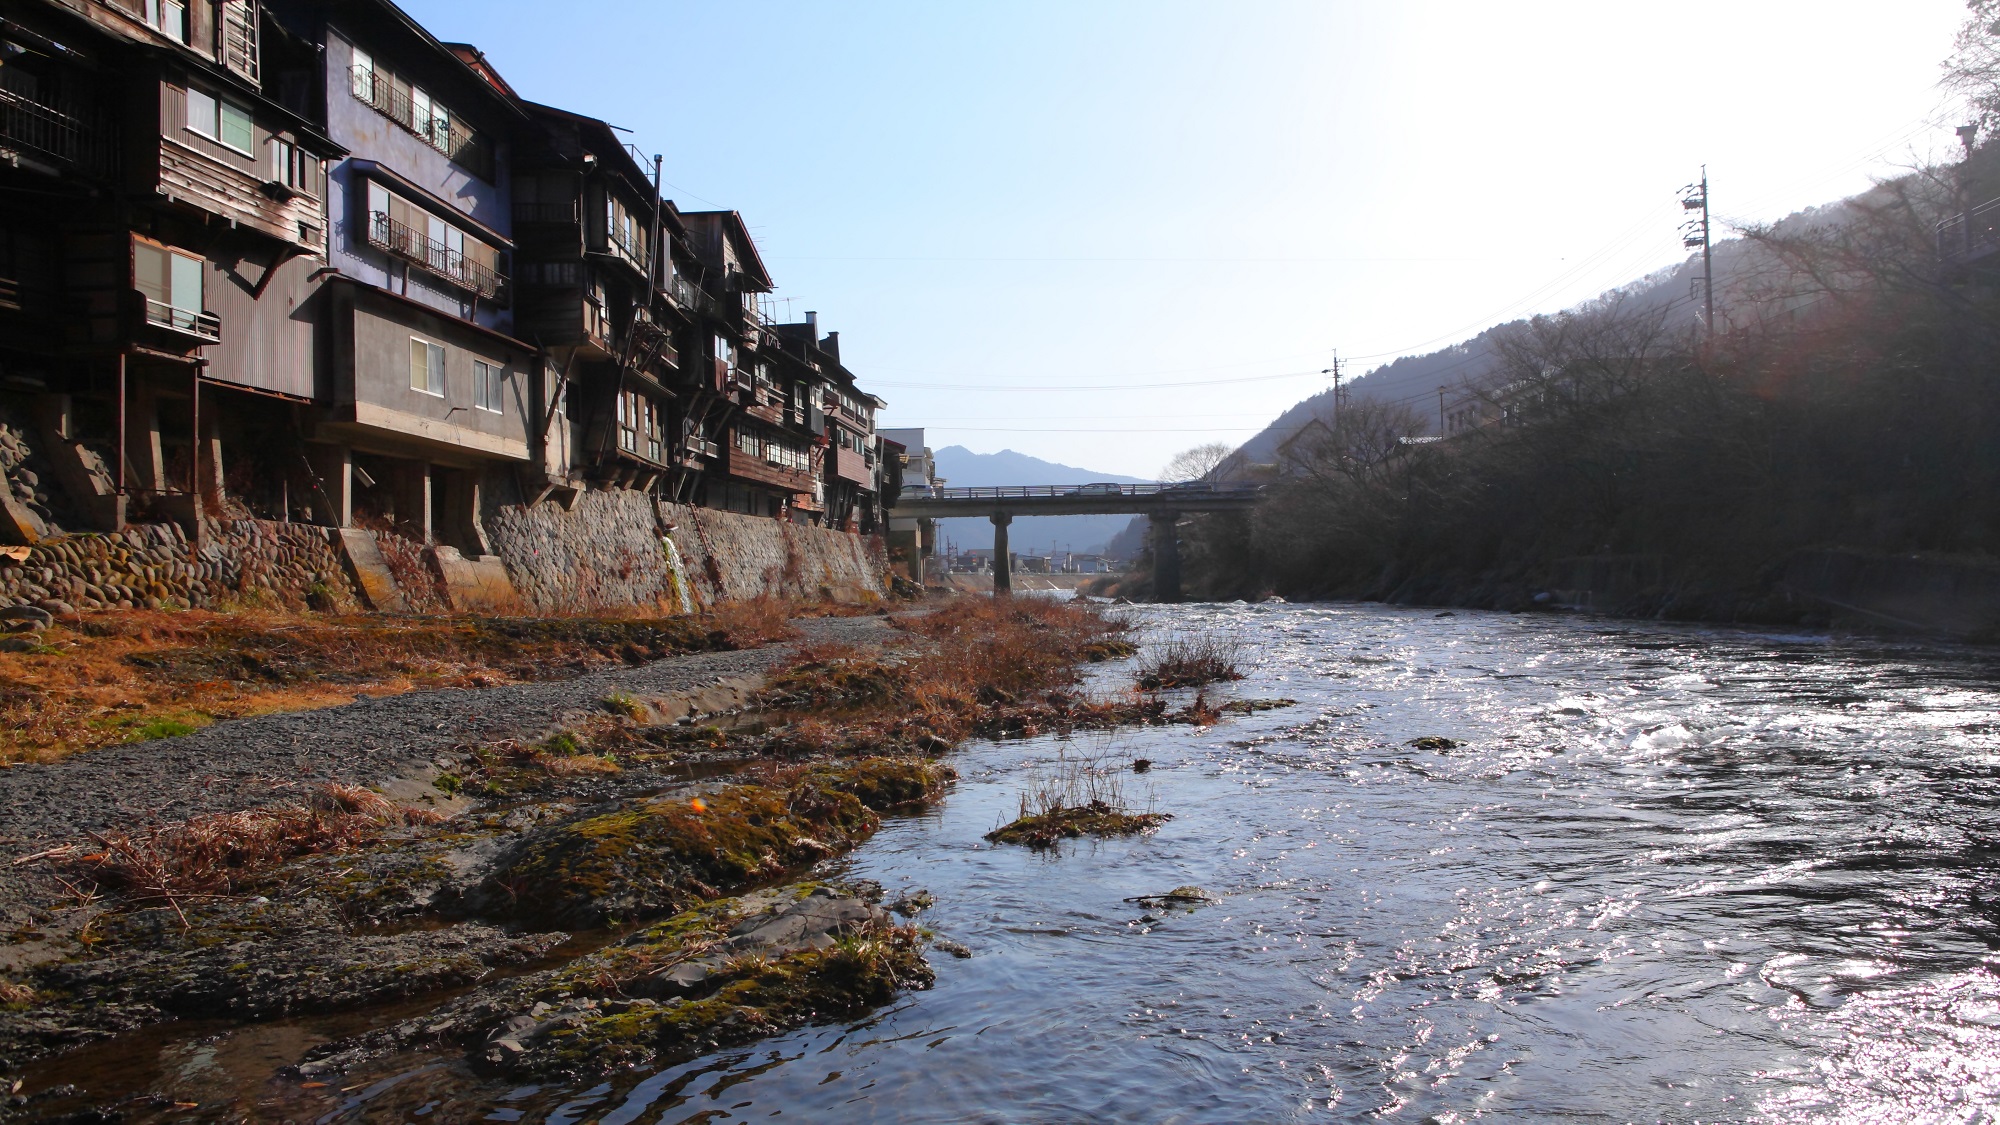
(509, 840)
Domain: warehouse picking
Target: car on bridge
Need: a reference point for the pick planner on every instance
(1101, 488)
(1184, 487)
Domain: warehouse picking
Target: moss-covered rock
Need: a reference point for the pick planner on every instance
(658, 856)
(1046, 829)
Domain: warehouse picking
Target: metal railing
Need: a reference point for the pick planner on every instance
(60, 132)
(442, 131)
(1080, 491)
(690, 296)
(1970, 234)
(626, 250)
(202, 325)
(431, 256)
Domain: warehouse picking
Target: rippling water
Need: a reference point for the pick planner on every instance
(1673, 874)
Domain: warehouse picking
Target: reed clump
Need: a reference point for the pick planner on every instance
(1184, 660)
(1072, 799)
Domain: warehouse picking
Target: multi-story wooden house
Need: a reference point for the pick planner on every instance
(298, 259)
(160, 213)
(424, 389)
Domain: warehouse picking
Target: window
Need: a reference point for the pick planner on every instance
(294, 168)
(488, 380)
(171, 282)
(722, 351)
(412, 107)
(748, 443)
(167, 15)
(426, 367)
(639, 420)
(219, 120)
(625, 234)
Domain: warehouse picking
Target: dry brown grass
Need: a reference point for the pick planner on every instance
(212, 855)
(978, 666)
(133, 675)
(1182, 660)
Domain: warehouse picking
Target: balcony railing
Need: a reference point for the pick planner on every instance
(442, 131)
(1970, 235)
(203, 326)
(59, 132)
(626, 250)
(433, 257)
(690, 296)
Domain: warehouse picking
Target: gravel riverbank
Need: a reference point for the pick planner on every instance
(250, 763)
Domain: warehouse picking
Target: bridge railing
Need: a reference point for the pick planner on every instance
(1078, 491)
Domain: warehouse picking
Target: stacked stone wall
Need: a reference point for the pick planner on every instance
(727, 556)
(601, 553)
(154, 565)
(610, 551)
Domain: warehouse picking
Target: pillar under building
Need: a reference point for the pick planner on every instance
(1003, 578)
(1166, 557)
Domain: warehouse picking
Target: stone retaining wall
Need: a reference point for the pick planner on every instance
(730, 557)
(610, 551)
(603, 552)
(152, 565)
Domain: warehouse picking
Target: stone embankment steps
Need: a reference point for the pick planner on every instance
(248, 763)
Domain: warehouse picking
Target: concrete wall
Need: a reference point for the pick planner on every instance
(373, 382)
(1951, 597)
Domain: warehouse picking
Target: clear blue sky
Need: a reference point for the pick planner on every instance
(986, 199)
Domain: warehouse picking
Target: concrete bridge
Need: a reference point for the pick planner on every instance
(1162, 504)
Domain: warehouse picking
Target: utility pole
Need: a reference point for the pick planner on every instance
(1694, 232)
(1440, 411)
(1335, 372)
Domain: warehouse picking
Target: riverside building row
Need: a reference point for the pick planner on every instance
(299, 260)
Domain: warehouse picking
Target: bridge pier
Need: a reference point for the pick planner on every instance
(1003, 575)
(1166, 557)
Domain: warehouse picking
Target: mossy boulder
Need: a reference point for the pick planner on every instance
(884, 784)
(661, 855)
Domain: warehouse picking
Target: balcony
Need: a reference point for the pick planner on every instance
(203, 326)
(441, 130)
(56, 131)
(432, 257)
(690, 297)
(1970, 236)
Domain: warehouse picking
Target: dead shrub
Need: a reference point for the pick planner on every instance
(213, 855)
(1183, 660)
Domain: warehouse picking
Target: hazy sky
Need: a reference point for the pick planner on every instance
(996, 203)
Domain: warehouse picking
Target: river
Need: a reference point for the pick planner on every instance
(1672, 873)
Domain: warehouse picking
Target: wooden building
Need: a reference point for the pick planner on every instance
(299, 260)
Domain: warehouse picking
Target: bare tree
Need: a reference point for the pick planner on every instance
(1199, 463)
(1973, 70)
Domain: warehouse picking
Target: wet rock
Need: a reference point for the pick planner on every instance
(913, 903)
(946, 945)
(27, 613)
(1141, 765)
(1179, 896)
(732, 971)
(298, 972)
(1434, 742)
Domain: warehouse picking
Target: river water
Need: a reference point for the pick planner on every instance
(1674, 874)
(1671, 874)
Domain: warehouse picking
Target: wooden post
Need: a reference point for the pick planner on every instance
(194, 453)
(121, 455)
(1003, 578)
